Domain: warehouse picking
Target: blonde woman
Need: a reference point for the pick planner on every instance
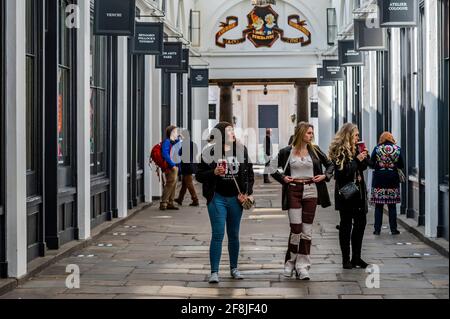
(350, 165)
(304, 187)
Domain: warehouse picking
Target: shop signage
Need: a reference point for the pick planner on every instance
(171, 57)
(148, 39)
(114, 17)
(263, 30)
(369, 38)
(199, 78)
(348, 56)
(332, 71)
(321, 81)
(398, 13)
(184, 63)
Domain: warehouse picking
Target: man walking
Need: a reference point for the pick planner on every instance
(268, 150)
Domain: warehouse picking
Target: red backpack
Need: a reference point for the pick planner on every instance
(157, 158)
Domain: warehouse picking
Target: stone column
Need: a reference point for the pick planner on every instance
(226, 102)
(302, 101)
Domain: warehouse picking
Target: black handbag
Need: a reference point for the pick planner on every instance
(349, 190)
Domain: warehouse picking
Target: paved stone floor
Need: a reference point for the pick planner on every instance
(165, 255)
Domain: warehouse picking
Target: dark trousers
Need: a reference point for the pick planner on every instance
(266, 176)
(392, 217)
(188, 184)
(351, 230)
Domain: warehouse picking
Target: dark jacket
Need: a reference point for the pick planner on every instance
(205, 174)
(188, 165)
(318, 161)
(386, 159)
(347, 175)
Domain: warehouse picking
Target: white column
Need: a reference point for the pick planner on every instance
(396, 85)
(185, 101)
(431, 117)
(148, 130)
(83, 122)
(200, 116)
(173, 99)
(16, 186)
(326, 121)
(122, 146)
(156, 127)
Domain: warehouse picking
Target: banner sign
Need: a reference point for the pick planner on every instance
(398, 14)
(369, 38)
(199, 78)
(348, 56)
(171, 57)
(321, 81)
(263, 29)
(114, 17)
(332, 71)
(184, 63)
(148, 39)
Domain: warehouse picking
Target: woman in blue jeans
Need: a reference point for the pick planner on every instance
(221, 192)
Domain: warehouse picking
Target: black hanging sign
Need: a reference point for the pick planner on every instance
(348, 56)
(368, 38)
(114, 17)
(332, 71)
(321, 81)
(171, 57)
(199, 78)
(184, 63)
(148, 39)
(398, 13)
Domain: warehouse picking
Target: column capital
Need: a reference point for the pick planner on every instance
(225, 84)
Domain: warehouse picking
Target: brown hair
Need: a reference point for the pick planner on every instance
(387, 137)
(300, 132)
(169, 130)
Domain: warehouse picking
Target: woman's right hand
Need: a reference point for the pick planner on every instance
(219, 171)
(362, 156)
(288, 179)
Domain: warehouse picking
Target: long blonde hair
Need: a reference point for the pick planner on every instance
(300, 132)
(343, 147)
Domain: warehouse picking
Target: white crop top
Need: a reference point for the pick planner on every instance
(302, 167)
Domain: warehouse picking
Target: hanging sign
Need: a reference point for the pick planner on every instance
(348, 56)
(114, 17)
(199, 78)
(263, 30)
(332, 71)
(398, 14)
(369, 38)
(184, 63)
(321, 81)
(171, 57)
(148, 39)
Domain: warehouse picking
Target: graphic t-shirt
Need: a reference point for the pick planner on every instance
(225, 184)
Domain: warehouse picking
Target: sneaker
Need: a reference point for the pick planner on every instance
(303, 275)
(376, 233)
(359, 263)
(347, 265)
(214, 278)
(236, 274)
(395, 232)
(289, 269)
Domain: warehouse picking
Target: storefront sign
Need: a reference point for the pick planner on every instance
(199, 78)
(321, 81)
(171, 57)
(398, 13)
(184, 63)
(148, 39)
(348, 56)
(332, 71)
(114, 17)
(369, 38)
(263, 29)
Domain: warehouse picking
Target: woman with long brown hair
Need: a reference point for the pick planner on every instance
(350, 193)
(304, 187)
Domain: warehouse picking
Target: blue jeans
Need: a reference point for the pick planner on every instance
(392, 217)
(224, 211)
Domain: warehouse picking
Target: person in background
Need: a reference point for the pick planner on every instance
(349, 166)
(386, 160)
(171, 174)
(188, 169)
(221, 174)
(304, 187)
(268, 150)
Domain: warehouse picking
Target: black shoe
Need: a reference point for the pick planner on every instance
(178, 201)
(377, 233)
(347, 265)
(267, 182)
(359, 263)
(395, 232)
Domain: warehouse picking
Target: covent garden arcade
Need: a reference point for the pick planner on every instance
(88, 88)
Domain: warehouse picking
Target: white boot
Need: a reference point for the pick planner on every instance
(303, 265)
(289, 267)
